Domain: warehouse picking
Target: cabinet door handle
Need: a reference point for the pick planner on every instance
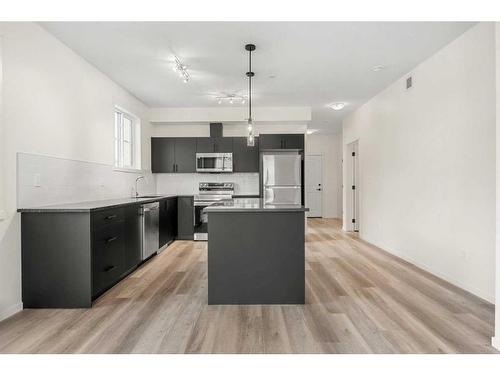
(110, 268)
(173, 167)
(110, 217)
(111, 239)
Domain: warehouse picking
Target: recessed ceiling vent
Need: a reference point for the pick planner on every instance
(409, 82)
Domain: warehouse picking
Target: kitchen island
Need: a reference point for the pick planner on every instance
(255, 253)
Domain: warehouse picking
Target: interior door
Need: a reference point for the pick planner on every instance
(314, 185)
(353, 199)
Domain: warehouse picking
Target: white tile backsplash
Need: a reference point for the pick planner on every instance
(187, 183)
(69, 181)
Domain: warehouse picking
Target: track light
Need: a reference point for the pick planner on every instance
(181, 70)
(231, 99)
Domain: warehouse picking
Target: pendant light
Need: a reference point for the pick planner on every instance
(250, 74)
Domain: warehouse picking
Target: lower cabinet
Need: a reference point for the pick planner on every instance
(70, 258)
(185, 218)
(116, 246)
(168, 221)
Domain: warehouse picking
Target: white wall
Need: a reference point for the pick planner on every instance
(496, 339)
(330, 147)
(54, 103)
(427, 164)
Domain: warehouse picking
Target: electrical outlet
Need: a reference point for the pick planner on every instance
(36, 180)
(464, 254)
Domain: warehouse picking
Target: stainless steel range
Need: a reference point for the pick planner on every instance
(209, 193)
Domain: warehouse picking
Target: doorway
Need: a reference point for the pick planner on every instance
(352, 187)
(314, 185)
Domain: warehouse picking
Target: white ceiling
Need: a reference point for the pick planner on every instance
(315, 63)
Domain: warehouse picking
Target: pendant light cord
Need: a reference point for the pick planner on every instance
(250, 86)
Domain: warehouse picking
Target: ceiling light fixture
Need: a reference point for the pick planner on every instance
(231, 98)
(181, 70)
(337, 106)
(378, 68)
(250, 74)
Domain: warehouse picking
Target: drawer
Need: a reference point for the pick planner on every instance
(108, 256)
(106, 217)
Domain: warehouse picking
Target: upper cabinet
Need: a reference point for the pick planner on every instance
(281, 141)
(163, 155)
(178, 155)
(219, 145)
(245, 158)
(173, 155)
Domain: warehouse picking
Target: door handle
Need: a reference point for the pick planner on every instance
(110, 268)
(111, 239)
(110, 217)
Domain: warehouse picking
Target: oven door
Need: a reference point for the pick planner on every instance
(200, 221)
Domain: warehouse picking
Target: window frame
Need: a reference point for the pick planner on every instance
(119, 140)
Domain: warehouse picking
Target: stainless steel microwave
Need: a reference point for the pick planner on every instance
(214, 162)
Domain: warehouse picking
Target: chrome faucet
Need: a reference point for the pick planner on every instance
(136, 189)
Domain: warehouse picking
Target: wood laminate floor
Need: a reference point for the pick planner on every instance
(359, 299)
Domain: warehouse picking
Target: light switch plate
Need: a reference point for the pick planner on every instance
(36, 180)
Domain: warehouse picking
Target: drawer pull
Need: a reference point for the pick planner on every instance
(111, 239)
(110, 268)
(110, 217)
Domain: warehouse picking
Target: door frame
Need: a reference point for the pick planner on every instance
(322, 182)
(353, 180)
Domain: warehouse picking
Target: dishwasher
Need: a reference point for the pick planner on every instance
(150, 213)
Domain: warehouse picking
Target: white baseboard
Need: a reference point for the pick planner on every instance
(11, 310)
(495, 342)
(479, 293)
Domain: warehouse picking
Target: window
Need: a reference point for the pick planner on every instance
(127, 140)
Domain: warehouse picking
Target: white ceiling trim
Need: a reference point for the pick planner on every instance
(229, 114)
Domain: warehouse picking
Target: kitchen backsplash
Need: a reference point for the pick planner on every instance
(66, 181)
(187, 183)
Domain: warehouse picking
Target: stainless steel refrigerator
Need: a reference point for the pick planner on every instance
(282, 178)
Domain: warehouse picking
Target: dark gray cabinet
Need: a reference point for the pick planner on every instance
(133, 229)
(281, 141)
(178, 155)
(168, 221)
(245, 158)
(214, 144)
(185, 218)
(185, 155)
(70, 258)
(293, 141)
(163, 155)
(171, 155)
